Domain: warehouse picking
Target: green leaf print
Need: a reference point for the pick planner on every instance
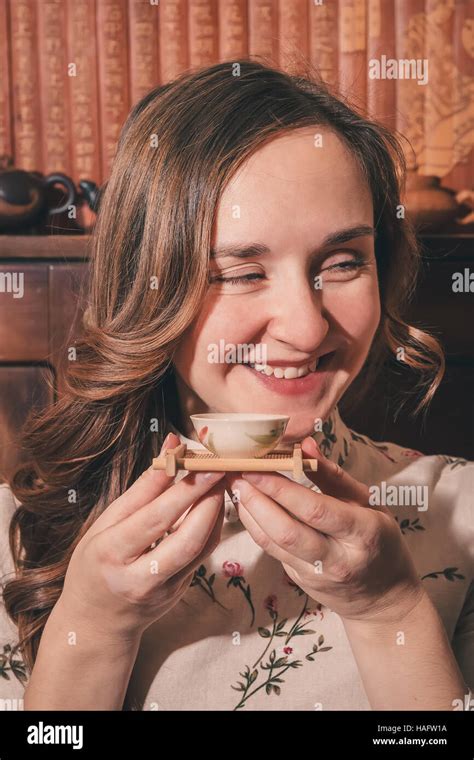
(412, 525)
(206, 584)
(317, 648)
(449, 573)
(11, 661)
(275, 667)
(267, 438)
(264, 440)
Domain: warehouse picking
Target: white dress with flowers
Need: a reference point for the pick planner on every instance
(245, 637)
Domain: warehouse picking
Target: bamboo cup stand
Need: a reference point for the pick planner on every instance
(180, 458)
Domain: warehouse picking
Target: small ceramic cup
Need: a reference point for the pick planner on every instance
(240, 435)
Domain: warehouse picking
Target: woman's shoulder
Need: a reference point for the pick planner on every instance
(389, 458)
(8, 501)
(12, 667)
(433, 489)
(8, 505)
(7, 498)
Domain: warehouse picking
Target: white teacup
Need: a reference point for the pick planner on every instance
(239, 434)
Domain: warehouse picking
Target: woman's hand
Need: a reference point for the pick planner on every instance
(114, 580)
(338, 549)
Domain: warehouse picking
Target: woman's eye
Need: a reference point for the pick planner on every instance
(251, 277)
(348, 265)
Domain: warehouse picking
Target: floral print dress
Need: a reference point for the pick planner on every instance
(246, 637)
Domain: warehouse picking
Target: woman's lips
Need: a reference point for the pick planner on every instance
(298, 385)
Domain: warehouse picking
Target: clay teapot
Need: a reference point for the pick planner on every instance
(24, 196)
(428, 205)
(92, 193)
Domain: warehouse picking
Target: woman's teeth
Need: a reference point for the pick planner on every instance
(286, 373)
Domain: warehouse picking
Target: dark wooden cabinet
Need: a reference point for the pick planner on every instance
(24, 314)
(22, 388)
(37, 329)
(66, 281)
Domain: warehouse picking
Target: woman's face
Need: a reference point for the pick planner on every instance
(300, 215)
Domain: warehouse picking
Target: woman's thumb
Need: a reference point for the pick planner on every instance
(170, 442)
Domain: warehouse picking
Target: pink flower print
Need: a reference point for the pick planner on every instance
(232, 569)
(202, 433)
(287, 650)
(317, 611)
(412, 453)
(270, 603)
(235, 573)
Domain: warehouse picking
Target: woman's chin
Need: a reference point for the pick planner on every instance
(296, 434)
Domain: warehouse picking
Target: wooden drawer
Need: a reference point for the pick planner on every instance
(66, 282)
(23, 319)
(22, 389)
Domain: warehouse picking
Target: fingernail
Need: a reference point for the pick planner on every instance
(312, 446)
(209, 476)
(253, 477)
(165, 443)
(237, 481)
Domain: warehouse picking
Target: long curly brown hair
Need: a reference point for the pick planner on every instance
(178, 149)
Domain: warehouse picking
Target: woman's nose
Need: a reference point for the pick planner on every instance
(297, 317)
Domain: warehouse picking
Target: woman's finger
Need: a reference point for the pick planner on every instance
(181, 548)
(148, 486)
(133, 535)
(320, 512)
(209, 547)
(332, 479)
(282, 529)
(262, 540)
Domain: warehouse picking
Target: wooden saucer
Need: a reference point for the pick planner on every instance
(180, 458)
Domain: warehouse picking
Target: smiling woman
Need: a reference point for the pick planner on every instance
(267, 212)
(274, 298)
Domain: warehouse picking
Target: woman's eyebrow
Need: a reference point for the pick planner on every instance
(252, 250)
